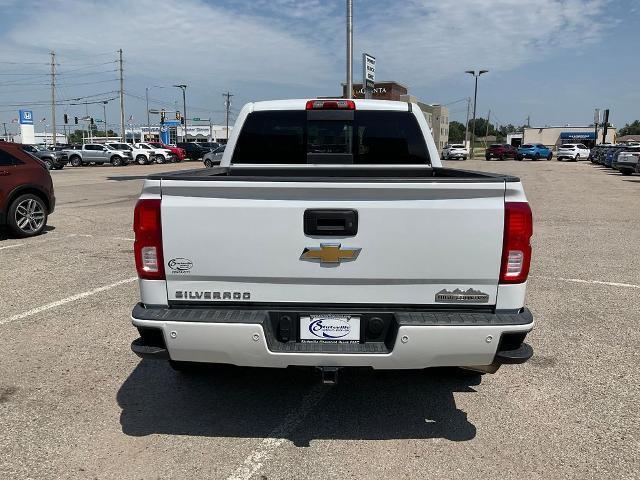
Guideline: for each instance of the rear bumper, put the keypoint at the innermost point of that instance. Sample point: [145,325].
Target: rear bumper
[253,338]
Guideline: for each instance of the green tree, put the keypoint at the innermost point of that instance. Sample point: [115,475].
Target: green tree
[456,132]
[481,127]
[78,135]
[632,128]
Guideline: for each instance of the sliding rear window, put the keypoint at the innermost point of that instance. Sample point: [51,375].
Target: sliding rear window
[360,137]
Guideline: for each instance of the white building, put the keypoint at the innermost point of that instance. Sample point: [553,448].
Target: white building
[42,138]
[195,133]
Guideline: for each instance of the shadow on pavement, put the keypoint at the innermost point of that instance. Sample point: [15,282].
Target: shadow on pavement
[253,403]
[5,234]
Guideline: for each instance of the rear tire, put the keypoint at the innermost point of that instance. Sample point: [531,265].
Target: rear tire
[577,159]
[549,157]
[27,216]
[208,163]
[141,160]
[626,172]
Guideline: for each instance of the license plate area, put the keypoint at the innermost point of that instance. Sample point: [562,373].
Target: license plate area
[330,328]
[377,331]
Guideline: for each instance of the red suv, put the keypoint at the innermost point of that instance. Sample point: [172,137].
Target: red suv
[26,191]
[179,152]
[500,151]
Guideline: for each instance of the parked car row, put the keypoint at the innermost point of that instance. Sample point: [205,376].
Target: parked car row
[623,157]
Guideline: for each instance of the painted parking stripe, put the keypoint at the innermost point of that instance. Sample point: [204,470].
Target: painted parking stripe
[49,240]
[64,301]
[594,282]
[12,246]
[263,452]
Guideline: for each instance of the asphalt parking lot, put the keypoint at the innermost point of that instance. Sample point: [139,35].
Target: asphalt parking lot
[76,403]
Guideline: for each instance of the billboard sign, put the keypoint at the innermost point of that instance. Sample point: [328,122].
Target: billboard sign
[26,117]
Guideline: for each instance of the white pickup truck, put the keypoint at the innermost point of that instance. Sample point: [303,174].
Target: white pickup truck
[331,236]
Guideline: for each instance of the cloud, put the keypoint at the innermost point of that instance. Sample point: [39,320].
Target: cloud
[279,48]
[431,41]
[163,38]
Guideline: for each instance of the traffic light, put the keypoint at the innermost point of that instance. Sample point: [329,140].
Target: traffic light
[66,119]
[75,119]
[91,120]
[182,121]
[178,116]
[162,115]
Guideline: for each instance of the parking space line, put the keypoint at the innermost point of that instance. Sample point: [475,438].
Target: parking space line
[12,246]
[256,459]
[66,237]
[594,282]
[64,301]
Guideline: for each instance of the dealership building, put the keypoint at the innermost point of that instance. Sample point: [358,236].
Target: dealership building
[555,136]
[437,116]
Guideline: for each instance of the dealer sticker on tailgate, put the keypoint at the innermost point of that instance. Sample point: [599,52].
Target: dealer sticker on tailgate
[330,328]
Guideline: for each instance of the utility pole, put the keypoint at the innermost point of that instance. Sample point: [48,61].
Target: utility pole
[596,121]
[6,137]
[122,132]
[104,111]
[146,90]
[475,102]
[349,49]
[210,130]
[227,104]
[53,96]
[466,125]
[487,129]
[529,121]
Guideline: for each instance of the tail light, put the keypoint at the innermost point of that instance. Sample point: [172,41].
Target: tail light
[148,245]
[516,246]
[331,105]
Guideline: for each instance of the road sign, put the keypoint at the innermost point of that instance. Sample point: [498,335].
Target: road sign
[196,119]
[368,70]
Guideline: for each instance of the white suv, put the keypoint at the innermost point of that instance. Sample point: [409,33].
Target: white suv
[458,151]
[573,151]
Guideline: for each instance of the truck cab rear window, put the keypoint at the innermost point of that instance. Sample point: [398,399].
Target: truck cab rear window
[371,137]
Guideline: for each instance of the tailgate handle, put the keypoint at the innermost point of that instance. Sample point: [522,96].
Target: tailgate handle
[331,223]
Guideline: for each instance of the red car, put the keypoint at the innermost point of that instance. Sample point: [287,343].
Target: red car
[26,191]
[500,151]
[179,152]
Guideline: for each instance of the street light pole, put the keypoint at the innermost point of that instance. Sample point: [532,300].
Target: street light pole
[475,99]
[184,108]
[349,49]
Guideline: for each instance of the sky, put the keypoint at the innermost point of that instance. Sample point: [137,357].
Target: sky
[551,60]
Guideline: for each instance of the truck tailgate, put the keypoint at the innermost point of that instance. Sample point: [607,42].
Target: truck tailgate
[419,243]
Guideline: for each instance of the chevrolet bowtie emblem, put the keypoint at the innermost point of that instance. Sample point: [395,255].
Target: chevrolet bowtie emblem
[330,253]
